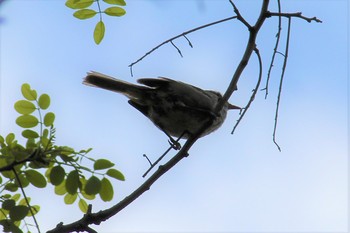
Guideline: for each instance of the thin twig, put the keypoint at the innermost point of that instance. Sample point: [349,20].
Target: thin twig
[178,50]
[278,36]
[180,35]
[26,199]
[252,97]
[281,84]
[253,32]
[295,15]
[239,16]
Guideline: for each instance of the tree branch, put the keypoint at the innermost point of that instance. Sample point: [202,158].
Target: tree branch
[253,32]
[252,97]
[278,36]
[281,83]
[295,15]
[180,35]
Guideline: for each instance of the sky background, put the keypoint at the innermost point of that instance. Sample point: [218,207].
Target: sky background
[229,183]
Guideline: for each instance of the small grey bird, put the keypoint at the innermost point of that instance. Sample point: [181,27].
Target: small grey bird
[177,108]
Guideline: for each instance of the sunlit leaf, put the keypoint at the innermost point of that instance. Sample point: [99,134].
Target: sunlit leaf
[99,32]
[84,14]
[116,2]
[28,93]
[29,134]
[49,118]
[70,199]
[102,164]
[83,206]
[24,107]
[35,178]
[115,174]
[61,188]
[44,101]
[93,185]
[27,121]
[35,209]
[10,138]
[106,192]
[74,4]
[115,11]
[16,197]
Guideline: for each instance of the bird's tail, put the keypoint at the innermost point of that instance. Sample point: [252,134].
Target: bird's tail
[103,81]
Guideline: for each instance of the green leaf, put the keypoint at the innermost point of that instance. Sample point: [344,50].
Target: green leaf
[35,178]
[115,174]
[99,32]
[72,182]
[23,201]
[24,107]
[19,212]
[116,2]
[10,138]
[35,210]
[44,101]
[83,206]
[23,180]
[49,118]
[106,192]
[28,93]
[16,197]
[88,197]
[57,175]
[61,189]
[11,187]
[84,14]
[8,204]
[29,134]
[93,185]
[101,164]
[70,199]
[115,11]
[80,4]
[9,226]
[27,121]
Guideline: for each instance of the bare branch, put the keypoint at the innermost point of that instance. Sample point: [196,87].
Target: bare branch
[239,16]
[295,15]
[281,83]
[180,35]
[255,90]
[253,32]
[278,36]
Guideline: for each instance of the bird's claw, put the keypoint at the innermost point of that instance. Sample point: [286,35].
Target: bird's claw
[174,144]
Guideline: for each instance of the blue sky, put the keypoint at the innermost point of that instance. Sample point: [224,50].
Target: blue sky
[229,183]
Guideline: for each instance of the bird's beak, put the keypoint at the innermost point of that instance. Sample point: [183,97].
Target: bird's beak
[231,106]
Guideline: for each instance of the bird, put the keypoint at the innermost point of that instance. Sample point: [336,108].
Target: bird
[177,108]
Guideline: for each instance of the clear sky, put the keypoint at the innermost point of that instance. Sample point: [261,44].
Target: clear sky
[229,183]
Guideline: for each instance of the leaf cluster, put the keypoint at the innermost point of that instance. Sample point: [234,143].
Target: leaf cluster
[40,162]
[83,11]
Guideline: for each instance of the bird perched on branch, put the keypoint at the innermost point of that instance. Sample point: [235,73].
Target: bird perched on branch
[177,108]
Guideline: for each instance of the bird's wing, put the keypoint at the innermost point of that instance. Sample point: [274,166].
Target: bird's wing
[184,95]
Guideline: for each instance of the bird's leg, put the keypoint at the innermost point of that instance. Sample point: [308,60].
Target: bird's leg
[175,143]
